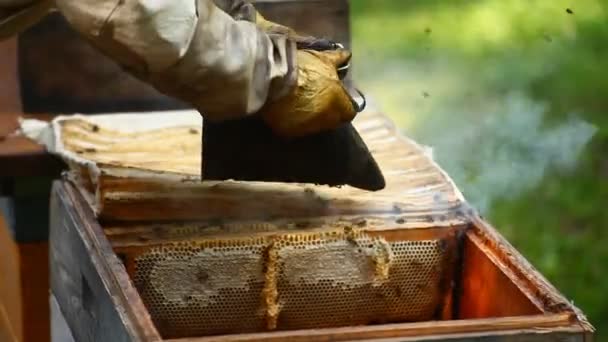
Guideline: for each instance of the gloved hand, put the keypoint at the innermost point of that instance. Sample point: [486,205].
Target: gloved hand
[224,66]
[318,102]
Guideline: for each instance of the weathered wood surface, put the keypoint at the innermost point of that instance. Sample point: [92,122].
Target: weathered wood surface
[11,320]
[24,167]
[530,281]
[501,329]
[524,335]
[60,332]
[482,278]
[132,235]
[143,177]
[6,327]
[24,287]
[88,280]
[82,251]
[20,156]
[9,84]
[34,274]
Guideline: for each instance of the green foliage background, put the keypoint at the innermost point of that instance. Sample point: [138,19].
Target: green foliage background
[438,67]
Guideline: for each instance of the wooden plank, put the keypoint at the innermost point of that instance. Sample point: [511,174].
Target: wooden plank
[60,332]
[20,156]
[10,289]
[417,331]
[539,335]
[7,333]
[138,180]
[9,89]
[531,282]
[401,330]
[9,120]
[35,291]
[24,286]
[487,289]
[88,280]
[530,328]
[144,235]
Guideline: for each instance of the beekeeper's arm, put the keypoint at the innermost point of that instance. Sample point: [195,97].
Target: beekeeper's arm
[225,67]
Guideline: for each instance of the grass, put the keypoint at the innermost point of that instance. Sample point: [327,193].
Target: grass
[513,96]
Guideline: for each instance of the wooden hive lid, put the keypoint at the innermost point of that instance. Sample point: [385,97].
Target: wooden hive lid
[145,167]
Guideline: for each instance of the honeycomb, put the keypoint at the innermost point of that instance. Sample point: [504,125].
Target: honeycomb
[290,281]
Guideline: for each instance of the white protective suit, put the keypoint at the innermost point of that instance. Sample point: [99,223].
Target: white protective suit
[209,53]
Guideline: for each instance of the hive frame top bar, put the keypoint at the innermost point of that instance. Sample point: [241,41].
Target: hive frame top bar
[559,320]
[126,174]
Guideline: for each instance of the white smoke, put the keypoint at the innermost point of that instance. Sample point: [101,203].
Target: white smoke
[507,150]
[494,144]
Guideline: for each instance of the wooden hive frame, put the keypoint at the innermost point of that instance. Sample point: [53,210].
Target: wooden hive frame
[495,294]
[499,295]
[419,202]
[126,186]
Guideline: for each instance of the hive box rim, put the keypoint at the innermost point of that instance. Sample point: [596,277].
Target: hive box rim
[561,315]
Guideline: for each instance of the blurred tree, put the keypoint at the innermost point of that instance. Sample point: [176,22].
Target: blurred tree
[513,96]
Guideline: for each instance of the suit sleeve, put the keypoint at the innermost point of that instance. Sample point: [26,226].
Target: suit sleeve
[208,53]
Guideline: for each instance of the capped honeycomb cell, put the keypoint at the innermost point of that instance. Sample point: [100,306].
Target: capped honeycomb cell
[288,281]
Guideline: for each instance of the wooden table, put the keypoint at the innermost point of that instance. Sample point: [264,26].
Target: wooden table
[26,173]
[20,156]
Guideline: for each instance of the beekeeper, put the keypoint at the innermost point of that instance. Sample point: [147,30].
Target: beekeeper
[221,56]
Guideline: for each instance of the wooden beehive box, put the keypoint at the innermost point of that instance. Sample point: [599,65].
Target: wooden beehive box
[447,275]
